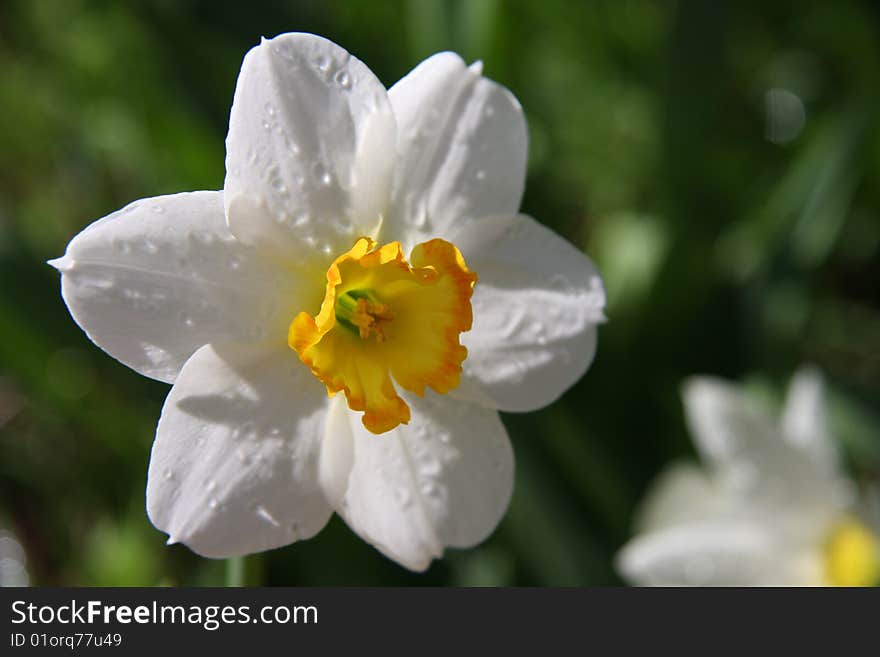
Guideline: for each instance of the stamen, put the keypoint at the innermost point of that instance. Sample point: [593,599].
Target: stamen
[361,312]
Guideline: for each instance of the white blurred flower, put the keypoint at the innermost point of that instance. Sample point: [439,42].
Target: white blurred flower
[771,506]
[293,283]
[13,570]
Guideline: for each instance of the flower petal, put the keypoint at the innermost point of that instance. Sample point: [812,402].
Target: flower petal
[536,306]
[717,554]
[235,465]
[310,148]
[804,422]
[746,449]
[682,494]
[156,280]
[443,480]
[463,146]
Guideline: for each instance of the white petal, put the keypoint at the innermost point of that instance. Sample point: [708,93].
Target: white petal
[681,494]
[536,306]
[463,146]
[234,468]
[310,148]
[804,423]
[716,554]
[746,449]
[445,479]
[337,452]
[161,277]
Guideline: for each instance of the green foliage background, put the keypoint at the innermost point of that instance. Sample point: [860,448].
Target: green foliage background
[723,252]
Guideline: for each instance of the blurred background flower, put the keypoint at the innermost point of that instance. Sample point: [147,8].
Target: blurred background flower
[715,159]
[770,506]
[13,570]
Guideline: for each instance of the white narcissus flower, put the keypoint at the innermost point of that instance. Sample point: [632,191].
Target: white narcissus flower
[771,507]
[341,257]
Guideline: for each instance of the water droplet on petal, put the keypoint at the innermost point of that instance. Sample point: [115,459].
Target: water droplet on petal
[264,514]
[322,175]
[343,80]
[403,497]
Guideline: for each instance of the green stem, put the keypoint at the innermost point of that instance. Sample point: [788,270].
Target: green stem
[235,572]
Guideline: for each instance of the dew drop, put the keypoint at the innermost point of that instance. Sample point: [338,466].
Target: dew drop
[403,497]
[481,175]
[211,485]
[322,64]
[203,237]
[169,474]
[235,263]
[343,224]
[537,330]
[270,109]
[343,80]
[121,246]
[213,503]
[158,209]
[264,514]
[321,174]
[150,247]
